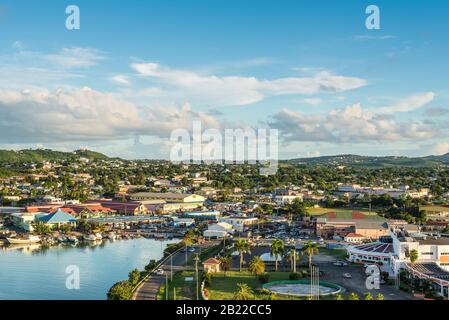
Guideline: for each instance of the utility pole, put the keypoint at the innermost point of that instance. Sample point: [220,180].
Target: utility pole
[171,267]
[186,254]
[196,272]
[166,285]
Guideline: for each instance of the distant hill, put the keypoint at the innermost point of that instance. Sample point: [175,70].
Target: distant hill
[375,162]
[40,155]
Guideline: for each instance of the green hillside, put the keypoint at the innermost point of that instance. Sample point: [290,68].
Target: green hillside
[40,155]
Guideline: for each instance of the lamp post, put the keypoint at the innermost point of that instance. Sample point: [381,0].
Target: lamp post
[166,285]
[196,272]
[171,267]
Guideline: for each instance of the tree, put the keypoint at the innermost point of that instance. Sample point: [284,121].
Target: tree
[242,247]
[310,249]
[40,228]
[339,297]
[244,292]
[134,277]
[225,263]
[380,296]
[353,296]
[277,250]
[413,256]
[121,291]
[369,296]
[292,257]
[256,266]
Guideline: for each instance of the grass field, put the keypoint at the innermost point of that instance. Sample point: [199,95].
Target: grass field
[185,290]
[343,213]
[223,288]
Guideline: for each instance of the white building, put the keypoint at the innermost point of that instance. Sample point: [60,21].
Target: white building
[218,230]
[282,200]
[239,223]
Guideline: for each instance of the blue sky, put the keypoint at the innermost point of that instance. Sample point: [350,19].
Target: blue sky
[138,70]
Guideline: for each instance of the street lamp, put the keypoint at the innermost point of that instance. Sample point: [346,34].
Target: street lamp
[171,266]
[196,271]
[166,285]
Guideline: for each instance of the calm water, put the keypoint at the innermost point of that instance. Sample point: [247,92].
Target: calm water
[40,274]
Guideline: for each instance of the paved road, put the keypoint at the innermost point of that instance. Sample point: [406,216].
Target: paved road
[148,290]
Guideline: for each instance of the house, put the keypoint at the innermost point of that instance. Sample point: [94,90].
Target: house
[354,238]
[239,223]
[23,221]
[282,200]
[57,219]
[88,210]
[211,265]
[218,230]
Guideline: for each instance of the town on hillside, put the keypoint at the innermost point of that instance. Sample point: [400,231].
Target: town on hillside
[338,224]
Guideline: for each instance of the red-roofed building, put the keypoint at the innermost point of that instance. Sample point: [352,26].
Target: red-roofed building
[354,238]
[211,265]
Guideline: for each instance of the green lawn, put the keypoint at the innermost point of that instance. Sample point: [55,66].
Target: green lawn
[223,288]
[342,213]
[185,290]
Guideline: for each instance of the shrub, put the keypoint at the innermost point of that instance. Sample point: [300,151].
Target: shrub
[121,291]
[207,277]
[294,276]
[264,278]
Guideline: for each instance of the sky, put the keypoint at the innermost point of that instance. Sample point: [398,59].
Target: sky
[136,71]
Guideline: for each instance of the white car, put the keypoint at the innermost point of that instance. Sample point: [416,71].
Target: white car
[160,272]
[347,275]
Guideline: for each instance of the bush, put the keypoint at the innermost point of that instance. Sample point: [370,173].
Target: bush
[122,290]
[264,278]
[294,276]
[207,277]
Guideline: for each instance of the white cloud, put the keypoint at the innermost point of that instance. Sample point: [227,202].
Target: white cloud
[17,45]
[370,37]
[75,57]
[313,101]
[120,79]
[41,116]
[409,104]
[237,90]
[440,148]
[351,124]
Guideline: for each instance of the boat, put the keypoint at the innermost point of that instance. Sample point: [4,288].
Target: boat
[25,240]
[98,236]
[90,237]
[72,239]
[112,236]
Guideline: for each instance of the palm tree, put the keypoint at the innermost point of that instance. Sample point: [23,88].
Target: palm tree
[225,263]
[257,266]
[244,292]
[292,256]
[310,249]
[242,247]
[413,256]
[277,250]
[353,296]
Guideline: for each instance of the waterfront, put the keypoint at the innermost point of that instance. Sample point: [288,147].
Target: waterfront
[40,274]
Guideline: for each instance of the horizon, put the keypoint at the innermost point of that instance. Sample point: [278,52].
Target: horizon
[131,75]
[286,159]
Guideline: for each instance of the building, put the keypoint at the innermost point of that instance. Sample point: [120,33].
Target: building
[239,223]
[432,253]
[211,265]
[23,220]
[57,219]
[174,201]
[354,238]
[369,228]
[203,215]
[218,230]
[282,200]
[437,213]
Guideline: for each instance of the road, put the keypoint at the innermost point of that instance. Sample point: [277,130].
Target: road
[148,289]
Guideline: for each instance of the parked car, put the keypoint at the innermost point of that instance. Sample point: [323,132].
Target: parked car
[347,275]
[160,272]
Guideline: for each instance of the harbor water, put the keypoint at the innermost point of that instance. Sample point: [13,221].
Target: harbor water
[38,273]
